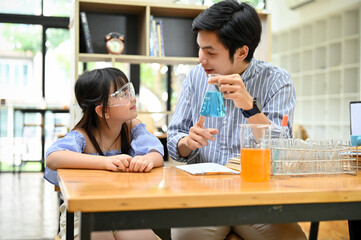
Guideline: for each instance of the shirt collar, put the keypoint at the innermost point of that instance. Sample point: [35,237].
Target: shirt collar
[250,70]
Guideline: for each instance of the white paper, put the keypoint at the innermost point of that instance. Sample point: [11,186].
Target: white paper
[206,168]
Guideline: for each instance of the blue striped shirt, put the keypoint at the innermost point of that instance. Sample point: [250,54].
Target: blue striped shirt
[274,88]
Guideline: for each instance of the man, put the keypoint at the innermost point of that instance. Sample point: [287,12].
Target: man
[254,92]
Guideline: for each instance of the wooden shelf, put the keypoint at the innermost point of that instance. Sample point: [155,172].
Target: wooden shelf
[323,57]
[136,59]
[136,16]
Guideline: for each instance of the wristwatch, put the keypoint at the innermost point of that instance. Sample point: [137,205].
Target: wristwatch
[257,108]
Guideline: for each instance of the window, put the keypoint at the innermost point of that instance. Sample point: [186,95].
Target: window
[56,8]
[34,68]
[32,7]
[20,60]
[153,95]
[58,88]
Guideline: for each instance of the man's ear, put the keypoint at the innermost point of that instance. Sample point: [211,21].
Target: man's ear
[99,111]
[242,52]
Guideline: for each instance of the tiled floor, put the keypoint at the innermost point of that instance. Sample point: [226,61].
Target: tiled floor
[29,210]
[28,207]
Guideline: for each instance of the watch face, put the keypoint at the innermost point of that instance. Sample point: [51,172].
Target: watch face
[257,108]
[258,105]
[115,46]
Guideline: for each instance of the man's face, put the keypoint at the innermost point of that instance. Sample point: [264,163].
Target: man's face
[214,57]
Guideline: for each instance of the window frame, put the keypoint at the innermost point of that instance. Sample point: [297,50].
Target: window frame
[46,22]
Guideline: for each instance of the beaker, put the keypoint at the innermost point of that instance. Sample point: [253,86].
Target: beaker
[213,105]
[255,152]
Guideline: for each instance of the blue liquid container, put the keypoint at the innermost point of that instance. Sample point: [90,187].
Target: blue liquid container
[213,105]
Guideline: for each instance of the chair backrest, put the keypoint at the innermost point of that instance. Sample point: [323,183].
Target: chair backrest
[148,121]
[299,131]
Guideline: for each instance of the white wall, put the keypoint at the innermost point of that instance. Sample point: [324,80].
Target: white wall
[319,44]
[283,17]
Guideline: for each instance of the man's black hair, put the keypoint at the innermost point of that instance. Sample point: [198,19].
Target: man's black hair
[236,24]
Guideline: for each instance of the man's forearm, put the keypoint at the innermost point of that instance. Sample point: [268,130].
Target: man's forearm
[258,119]
[183,149]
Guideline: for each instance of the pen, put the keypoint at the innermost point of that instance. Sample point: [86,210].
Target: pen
[215,173]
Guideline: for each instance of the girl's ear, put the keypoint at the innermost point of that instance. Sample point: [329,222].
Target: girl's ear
[242,52]
[99,111]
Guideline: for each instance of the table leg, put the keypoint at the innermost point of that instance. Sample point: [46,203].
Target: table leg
[354,228]
[314,230]
[42,141]
[85,225]
[163,234]
[69,225]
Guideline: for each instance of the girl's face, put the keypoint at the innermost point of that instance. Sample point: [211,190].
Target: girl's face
[122,103]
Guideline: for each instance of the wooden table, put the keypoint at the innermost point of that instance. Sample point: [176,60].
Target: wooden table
[167,197]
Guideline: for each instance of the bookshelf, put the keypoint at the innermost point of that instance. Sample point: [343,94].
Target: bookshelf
[323,57]
[132,19]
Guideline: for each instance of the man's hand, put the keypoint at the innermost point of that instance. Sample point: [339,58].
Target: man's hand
[197,138]
[232,87]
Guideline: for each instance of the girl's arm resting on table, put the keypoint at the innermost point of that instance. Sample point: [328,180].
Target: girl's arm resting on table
[146,162]
[69,159]
[156,158]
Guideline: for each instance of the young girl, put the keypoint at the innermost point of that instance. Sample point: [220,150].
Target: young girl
[108,136]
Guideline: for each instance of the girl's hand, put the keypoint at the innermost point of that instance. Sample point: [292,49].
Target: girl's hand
[140,164]
[118,162]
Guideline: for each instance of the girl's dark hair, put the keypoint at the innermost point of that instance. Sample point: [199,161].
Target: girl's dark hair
[92,89]
[236,24]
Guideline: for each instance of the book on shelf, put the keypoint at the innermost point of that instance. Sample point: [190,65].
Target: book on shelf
[86,32]
[161,38]
[151,33]
[156,41]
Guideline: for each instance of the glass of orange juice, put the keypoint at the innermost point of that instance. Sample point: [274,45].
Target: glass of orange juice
[255,152]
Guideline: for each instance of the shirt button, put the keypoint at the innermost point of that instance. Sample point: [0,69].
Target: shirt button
[224,122]
[223,147]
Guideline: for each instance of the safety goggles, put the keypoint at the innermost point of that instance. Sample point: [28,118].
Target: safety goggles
[122,96]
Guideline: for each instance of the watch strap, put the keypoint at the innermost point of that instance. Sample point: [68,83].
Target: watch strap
[253,111]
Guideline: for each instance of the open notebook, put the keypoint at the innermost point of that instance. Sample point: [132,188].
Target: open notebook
[206,169]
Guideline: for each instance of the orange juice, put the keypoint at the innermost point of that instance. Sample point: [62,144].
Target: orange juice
[255,164]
